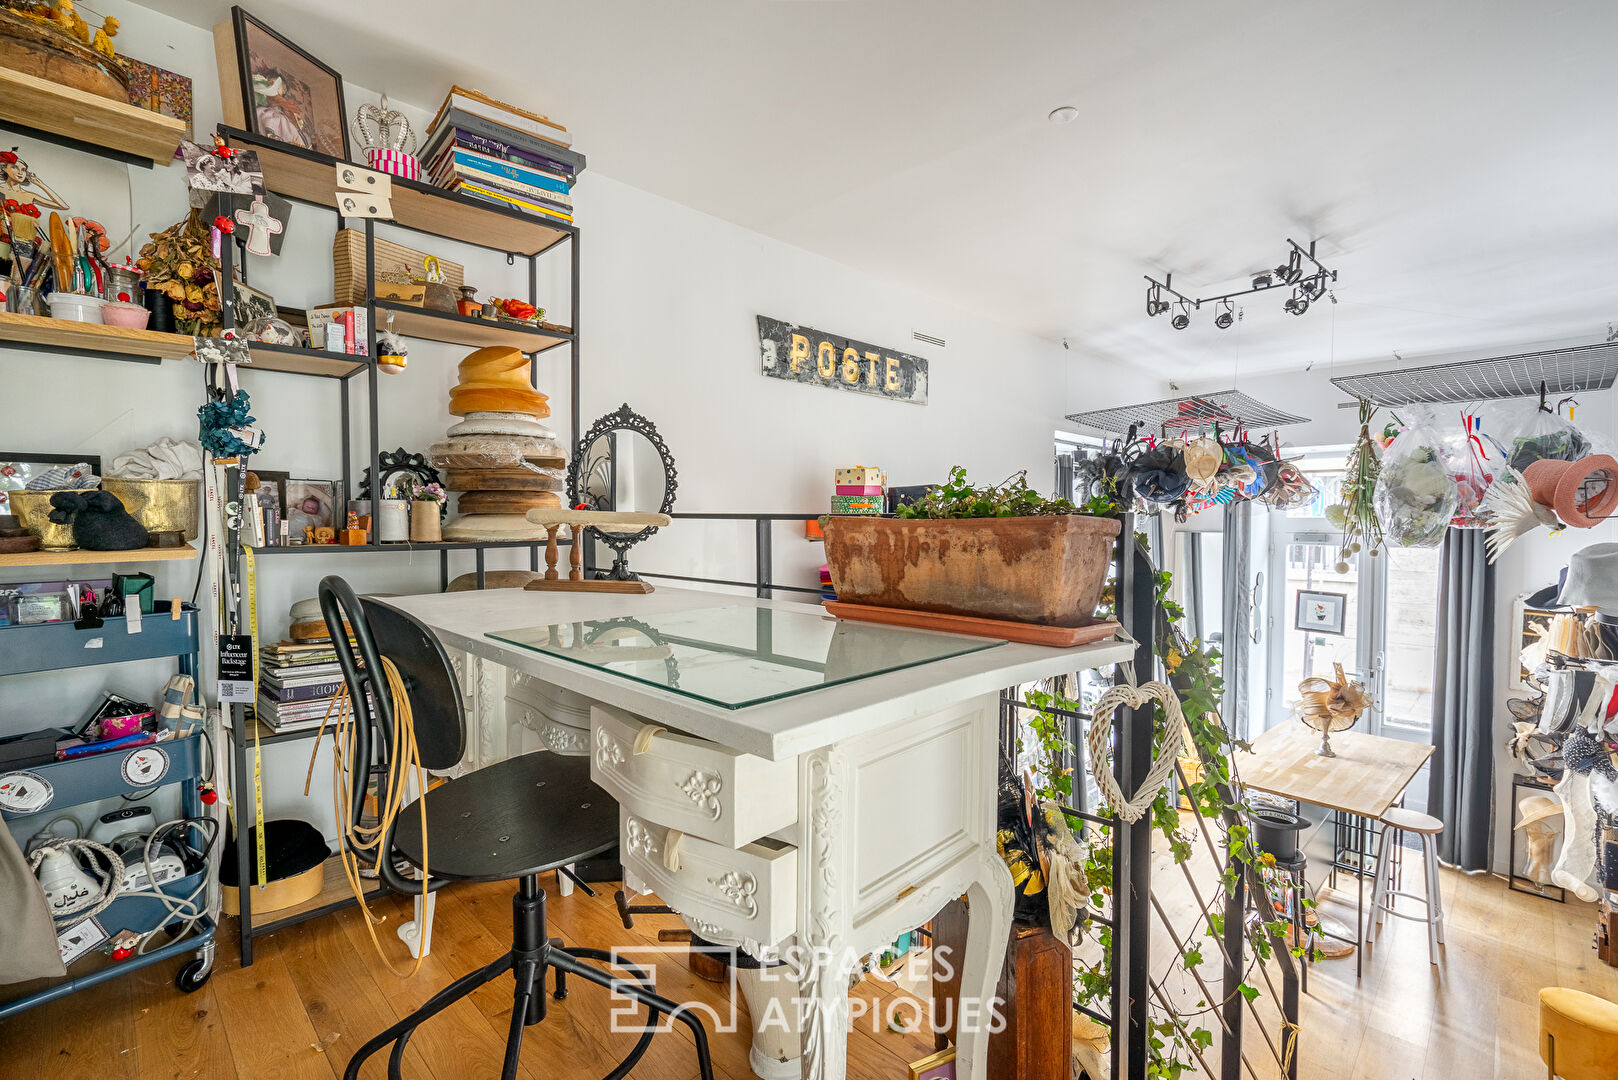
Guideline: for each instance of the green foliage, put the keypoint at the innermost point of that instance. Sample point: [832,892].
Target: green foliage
[1194,671]
[957,498]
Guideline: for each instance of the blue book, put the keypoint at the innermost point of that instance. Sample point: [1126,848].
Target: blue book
[466,162]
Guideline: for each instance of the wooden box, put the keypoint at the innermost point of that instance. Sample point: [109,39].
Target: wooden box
[348,265]
[1036,991]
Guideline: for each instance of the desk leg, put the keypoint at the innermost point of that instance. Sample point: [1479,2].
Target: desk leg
[1359,903]
[823,986]
[987,929]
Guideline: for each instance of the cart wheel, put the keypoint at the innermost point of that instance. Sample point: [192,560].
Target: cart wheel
[194,975]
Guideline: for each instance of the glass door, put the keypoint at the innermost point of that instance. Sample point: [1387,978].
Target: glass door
[1315,616]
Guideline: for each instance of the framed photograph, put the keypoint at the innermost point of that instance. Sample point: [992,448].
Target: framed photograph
[309,504]
[1321,612]
[252,305]
[285,93]
[272,488]
[239,174]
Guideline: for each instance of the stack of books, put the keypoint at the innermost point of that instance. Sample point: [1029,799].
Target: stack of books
[827,592]
[297,681]
[497,153]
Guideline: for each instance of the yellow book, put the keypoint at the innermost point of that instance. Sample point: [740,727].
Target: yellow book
[524,204]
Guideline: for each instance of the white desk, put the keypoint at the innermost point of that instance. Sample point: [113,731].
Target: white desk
[803,820]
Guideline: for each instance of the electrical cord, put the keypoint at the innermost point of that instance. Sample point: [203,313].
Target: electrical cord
[390,799]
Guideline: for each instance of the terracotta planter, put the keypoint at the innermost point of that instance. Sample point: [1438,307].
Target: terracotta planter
[1046,570]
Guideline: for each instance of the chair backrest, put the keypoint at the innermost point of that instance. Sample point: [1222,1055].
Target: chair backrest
[380,630]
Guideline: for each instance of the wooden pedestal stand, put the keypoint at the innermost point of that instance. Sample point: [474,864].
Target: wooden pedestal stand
[1036,990]
[552,521]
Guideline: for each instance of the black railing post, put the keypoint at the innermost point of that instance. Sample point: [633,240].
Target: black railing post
[1230,1047]
[1135,591]
[763,557]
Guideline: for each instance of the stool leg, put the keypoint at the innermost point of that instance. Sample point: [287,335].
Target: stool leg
[1435,892]
[1379,892]
[1428,864]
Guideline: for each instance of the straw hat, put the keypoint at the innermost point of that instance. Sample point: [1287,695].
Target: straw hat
[1537,808]
[1556,484]
[1203,457]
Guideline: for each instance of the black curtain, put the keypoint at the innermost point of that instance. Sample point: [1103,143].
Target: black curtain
[1461,783]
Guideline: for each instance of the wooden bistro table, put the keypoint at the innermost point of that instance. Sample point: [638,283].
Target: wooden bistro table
[1366,778]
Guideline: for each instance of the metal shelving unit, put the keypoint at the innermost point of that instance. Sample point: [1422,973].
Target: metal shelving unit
[1188,412]
[307,177]
[1552,372]
[59,646]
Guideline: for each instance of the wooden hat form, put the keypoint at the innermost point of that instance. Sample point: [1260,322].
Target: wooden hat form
[496,379]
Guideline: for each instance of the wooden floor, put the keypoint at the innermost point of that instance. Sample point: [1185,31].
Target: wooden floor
[318,990]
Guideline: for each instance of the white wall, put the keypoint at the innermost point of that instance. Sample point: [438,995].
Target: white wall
[669,297]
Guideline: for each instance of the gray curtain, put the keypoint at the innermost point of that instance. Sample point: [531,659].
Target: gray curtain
[1237,607]
[1461,782]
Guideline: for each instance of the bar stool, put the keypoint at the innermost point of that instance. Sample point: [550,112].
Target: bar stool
[1395,821]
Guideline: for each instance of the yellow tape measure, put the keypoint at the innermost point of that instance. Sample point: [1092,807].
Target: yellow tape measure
[258,754]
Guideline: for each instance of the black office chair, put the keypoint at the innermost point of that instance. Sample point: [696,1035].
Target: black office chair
[510,821]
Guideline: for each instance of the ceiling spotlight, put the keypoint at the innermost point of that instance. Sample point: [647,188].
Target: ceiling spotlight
[1155,304]
[1313,288]
[1182,318]
[1297,304]
[1063,114]
[1291,270]
[1263,281]
[1226,316]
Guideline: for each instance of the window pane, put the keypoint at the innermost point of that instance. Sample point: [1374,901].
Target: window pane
[1311,567]
[1412,640]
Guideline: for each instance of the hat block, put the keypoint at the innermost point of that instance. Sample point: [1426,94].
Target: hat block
[1556,484]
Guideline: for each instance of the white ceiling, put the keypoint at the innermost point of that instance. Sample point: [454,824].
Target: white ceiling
[1454,158]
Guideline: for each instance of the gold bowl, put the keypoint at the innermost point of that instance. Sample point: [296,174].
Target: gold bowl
[160,505]
[33,510]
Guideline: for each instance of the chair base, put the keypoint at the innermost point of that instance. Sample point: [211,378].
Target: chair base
[531,956]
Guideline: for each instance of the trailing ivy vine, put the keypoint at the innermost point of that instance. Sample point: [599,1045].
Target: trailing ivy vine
[1194,671]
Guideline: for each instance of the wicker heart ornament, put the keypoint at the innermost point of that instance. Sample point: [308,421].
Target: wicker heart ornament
[1174,742]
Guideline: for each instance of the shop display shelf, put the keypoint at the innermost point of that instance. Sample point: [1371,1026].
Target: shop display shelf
[55,645]
[456,329]
[311,177]
[101,776]
[442,545]
[42,333]
[88,122]
[335,894]
[78,557]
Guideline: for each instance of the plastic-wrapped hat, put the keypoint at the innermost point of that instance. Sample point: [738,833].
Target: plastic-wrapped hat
[1537,808]
[1203,457]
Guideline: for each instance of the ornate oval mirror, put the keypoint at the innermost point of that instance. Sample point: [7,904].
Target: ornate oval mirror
[622,464]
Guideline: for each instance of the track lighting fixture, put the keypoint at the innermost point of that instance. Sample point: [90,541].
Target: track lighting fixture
[1303,273]
[1155,304]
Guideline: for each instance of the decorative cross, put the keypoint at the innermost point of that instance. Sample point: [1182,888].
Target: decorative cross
[260,225]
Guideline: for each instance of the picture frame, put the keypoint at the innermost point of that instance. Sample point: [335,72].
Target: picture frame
[281,92]
[310,504]
[274,484]
[251,305]
[1321,612]
[939,1066]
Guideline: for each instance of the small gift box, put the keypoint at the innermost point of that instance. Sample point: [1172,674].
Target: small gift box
[856,504]
[859,489]
[861,476]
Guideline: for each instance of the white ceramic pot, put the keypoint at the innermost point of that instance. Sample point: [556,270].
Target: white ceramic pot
[75,307]
[392,521]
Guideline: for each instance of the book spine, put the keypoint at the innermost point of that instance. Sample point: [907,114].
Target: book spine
[508,170]
[482,144]
[462,122]
[287,694]
[541,195]
[500,199]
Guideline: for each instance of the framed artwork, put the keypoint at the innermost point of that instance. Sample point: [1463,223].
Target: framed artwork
[309,504]
[252,305]
[158,90]
[285,93]
[939,1066]
[1321,612]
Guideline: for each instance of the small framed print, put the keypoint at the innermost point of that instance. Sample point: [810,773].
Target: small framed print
[1321,612]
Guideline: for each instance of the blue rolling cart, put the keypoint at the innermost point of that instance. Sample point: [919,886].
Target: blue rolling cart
[60,645]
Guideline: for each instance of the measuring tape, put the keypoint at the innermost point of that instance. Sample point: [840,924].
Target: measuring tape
[258,753]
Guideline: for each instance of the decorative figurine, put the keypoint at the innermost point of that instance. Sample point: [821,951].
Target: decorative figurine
[388,140]
[23,207]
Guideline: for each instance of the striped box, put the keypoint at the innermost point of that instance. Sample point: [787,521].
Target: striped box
[394,162]
[857,504]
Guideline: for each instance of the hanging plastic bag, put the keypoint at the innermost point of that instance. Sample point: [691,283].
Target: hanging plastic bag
[1415,495]
[1547,434]
[1474,461]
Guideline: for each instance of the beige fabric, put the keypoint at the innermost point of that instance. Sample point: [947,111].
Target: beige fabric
[27,935]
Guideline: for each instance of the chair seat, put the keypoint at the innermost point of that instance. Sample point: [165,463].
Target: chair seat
[1411,821]
[1585,1030]
[518,817]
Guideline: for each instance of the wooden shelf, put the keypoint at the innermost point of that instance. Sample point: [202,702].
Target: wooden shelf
[296,360]
[92,558]
[335,892]
[42,331]
[419,323]
[87,118]
[309,177]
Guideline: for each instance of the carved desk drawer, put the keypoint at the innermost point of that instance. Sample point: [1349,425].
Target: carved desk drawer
[683,783]
[749,892]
